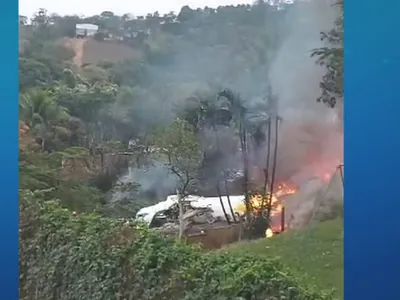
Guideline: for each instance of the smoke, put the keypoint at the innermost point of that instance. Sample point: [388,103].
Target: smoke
[154,181]
[294,76]
[317,200]
[310,142]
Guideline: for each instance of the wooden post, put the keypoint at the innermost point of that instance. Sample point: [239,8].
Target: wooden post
[181,212]
[341,173]
[283,219]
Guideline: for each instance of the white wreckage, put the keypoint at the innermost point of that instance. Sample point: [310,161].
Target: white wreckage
[211,205]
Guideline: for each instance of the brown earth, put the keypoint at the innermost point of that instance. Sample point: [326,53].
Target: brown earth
[25,141]
[215,236]
[207,236]
[78,168]
[90,51]
[77,45]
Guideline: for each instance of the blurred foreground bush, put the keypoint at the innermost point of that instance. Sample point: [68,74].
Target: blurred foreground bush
[69,256]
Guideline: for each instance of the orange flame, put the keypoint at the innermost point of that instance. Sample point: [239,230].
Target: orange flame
[258,203]
[326,177]
[269,233]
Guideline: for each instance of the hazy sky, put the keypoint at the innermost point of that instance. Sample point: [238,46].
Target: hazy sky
[92,7]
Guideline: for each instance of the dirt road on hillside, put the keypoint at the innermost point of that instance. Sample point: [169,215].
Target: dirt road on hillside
[76,45]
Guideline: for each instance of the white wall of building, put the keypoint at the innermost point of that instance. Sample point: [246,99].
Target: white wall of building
[86,29]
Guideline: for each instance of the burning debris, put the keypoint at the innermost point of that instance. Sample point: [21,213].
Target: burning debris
[207,210]
[269,233]
[262,204]
[205,213]
[320,198]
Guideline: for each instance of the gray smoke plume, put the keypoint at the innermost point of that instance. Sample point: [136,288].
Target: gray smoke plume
[317,200]
[309,140]
[311,143]
[155,181]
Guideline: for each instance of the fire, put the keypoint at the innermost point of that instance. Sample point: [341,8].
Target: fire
[282,189]
[326,177]
[258,204]
[269,233]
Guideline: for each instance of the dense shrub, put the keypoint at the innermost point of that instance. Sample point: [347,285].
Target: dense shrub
[63,256]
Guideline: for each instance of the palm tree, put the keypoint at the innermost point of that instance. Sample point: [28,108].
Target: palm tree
[238,112]
[206,112]
[252,125]
[42,114]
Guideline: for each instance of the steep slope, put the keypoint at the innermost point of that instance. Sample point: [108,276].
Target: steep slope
[314,254]
[77,45]
[90,51]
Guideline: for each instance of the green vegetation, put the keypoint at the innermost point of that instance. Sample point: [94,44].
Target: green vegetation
[101,107]
[314,255]
[333,59]
[77,123]
[63,256]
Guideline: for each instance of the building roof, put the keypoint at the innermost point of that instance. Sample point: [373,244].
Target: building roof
[87,26]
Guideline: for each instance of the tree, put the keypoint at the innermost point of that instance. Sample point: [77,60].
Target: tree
[239,119]
[33,73]
[203,112]
[23,20]
[332,58]
[179,144]
[127,99]
[90,103]
[43,115]
[41,18]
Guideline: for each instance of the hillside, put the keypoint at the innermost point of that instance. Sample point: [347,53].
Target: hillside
[314,255]
[24,34]
[182,104]
[90,51]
